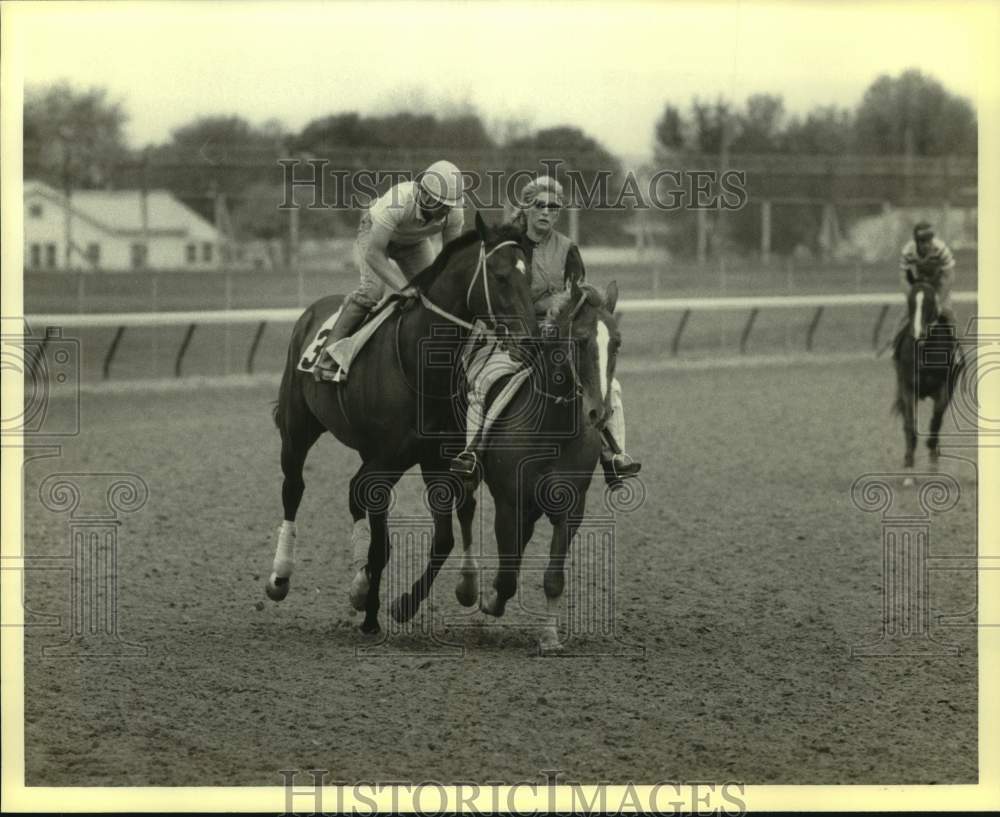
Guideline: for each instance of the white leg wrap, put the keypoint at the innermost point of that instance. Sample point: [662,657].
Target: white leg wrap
[284,554]
[469,563]
[359,589]
[361,536]
[550,632]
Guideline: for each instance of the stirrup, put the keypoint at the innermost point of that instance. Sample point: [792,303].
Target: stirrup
[465,464]
[615,471]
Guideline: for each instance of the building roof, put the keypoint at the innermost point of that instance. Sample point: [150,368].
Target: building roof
[120,211]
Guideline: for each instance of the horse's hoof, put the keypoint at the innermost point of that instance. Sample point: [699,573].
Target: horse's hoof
[490,607]
[277,587]
[467,591]
[403,609]
[359,590]
[548,641]
[370,629]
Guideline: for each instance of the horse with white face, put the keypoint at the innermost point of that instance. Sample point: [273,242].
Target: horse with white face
[563,412]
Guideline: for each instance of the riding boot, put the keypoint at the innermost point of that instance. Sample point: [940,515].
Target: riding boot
[618,468]
[352,314]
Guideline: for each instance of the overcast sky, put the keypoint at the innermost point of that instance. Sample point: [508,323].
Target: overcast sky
[606,67]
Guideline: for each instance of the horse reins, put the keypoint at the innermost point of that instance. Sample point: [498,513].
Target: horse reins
[577,389]
[480,270]
[444,313]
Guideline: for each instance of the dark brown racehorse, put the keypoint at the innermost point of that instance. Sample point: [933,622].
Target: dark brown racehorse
[928,363]
[542,453]
[394,409]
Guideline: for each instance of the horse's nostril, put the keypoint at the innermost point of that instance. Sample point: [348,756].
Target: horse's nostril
[593,415]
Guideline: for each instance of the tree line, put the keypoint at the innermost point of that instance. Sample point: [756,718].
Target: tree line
[76,138]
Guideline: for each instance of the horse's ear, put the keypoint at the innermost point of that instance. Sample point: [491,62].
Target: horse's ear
[481,227]
[574,289]
[611,296]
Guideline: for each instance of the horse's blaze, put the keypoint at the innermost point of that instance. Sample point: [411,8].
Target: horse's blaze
[918,316]
[603,340]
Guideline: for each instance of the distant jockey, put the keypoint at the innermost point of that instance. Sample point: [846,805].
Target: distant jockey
[554,263]
[394,243]
[926,258]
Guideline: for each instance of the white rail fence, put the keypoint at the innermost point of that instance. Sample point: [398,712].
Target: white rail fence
[686,306]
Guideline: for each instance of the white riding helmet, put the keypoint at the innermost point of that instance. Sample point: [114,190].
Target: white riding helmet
[443,182]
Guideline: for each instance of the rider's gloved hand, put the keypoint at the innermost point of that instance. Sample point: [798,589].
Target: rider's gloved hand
[407,297]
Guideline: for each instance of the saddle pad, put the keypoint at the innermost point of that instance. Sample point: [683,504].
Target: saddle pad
[316,354]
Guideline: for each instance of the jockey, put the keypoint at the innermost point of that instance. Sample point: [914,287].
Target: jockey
[393,242]
[554,263]
[928,258]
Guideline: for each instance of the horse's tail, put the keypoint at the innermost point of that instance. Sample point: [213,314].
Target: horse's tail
[279,411]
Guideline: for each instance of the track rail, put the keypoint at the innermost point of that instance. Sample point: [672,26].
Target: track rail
[262,317]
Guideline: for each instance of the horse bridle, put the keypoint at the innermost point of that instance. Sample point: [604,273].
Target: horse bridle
[576,390]
[480,270]
[444,313]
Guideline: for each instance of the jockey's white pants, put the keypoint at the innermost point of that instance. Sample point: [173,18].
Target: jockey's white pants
[616,420]
[410,258]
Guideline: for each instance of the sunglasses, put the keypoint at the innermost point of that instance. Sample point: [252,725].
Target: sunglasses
[551,205]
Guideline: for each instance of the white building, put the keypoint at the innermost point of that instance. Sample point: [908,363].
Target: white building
[105,231]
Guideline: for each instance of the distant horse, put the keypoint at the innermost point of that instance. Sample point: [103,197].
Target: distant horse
[393,408]
[928,362]
[542,453]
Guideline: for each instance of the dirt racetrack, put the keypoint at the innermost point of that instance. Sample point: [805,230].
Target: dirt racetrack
[731,598]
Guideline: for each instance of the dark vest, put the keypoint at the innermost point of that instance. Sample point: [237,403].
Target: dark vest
[548,266]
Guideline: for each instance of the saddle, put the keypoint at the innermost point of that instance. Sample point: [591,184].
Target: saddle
[317,356]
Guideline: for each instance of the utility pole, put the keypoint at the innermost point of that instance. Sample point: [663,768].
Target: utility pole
[144,204]
[66,136]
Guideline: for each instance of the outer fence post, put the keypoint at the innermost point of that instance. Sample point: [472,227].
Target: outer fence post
[183,350]
[746,329]
[676,342]
[878,325]
[106,368]
[812,327]
[253,346]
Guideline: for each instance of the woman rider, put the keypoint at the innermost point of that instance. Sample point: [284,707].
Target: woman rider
[554,263]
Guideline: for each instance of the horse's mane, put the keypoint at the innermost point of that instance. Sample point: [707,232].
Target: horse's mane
[425,278]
